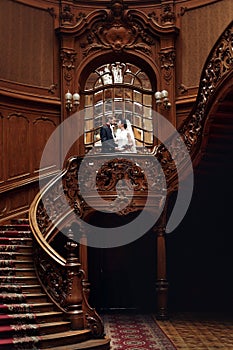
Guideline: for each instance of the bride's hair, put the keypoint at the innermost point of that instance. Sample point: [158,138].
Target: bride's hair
[124,122]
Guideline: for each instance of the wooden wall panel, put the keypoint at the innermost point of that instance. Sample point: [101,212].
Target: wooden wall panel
[22,143]
[17,201]
[18,146]
[26,44]
[1,148]
[200,29]
[24,132]
[42,129]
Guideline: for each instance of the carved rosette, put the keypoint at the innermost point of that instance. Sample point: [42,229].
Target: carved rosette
[68,59]
[218,66]
[167,60]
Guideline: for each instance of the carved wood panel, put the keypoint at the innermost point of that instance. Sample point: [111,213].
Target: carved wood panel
[1,148]
[27,42]
[17,138]
[42,128]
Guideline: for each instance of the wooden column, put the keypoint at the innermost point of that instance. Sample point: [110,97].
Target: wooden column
[74,297]
[161,283]
[84,263]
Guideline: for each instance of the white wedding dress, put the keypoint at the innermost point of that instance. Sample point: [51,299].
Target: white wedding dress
[125,139]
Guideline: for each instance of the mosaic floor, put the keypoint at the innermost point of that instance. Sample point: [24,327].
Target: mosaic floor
[199,331]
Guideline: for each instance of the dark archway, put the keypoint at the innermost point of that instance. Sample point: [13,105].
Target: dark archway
[123,277]
[200,250]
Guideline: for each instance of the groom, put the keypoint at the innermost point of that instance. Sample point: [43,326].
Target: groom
[106,135]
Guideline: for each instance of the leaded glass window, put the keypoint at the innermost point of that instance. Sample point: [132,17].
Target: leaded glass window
[122,90]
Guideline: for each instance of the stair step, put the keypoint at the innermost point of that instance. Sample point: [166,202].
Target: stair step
[6,271]
[13,227]
[19,256]
[64,338]
[16,241]
[35,329]
[35,307]
[20,221]
[15,233]
[22,297]
[35,297]
[17,263]
[92,344]
[22,280]
[41,317]
[15,248]
[18,288]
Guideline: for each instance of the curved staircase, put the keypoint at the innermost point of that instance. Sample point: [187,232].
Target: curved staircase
[28,319]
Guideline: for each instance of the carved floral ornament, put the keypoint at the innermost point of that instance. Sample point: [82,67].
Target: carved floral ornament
[218,66]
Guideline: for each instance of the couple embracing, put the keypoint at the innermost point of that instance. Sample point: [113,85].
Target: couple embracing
[117,136]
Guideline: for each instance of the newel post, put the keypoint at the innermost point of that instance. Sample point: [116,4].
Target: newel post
[161,283]
[74,297]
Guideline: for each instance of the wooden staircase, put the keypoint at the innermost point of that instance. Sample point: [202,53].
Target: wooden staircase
[28,319]
[217,159]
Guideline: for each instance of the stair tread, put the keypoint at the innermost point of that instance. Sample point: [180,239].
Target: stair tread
[40,325]
[36,314]
[18,269]
[15,253]
[19,261]
[29,304]
[88,344]
[31,294]
[17,238]
[18,285]
[20,277]
[66,334]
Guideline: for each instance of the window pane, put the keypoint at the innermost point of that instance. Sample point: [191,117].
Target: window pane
[118,94]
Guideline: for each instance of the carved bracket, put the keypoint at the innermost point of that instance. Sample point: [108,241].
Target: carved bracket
[68,58]
[167,59]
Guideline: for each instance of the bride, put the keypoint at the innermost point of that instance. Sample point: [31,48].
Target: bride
[125,137]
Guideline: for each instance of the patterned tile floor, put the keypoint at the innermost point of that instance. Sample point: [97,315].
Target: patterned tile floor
[199,331]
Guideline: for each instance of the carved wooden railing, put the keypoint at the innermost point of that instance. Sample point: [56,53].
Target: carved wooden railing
[62,279]
[57,205]
[217,69]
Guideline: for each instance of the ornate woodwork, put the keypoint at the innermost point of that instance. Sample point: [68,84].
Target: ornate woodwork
[216,69]
[31,109]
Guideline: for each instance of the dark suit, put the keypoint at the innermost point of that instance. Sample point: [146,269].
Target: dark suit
[108,144]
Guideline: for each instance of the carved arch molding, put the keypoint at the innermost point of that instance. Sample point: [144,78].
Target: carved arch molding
[117,30]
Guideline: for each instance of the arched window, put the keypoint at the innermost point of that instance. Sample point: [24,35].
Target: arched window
[121,90]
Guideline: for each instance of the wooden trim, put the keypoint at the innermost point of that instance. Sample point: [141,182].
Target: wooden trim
[26,182]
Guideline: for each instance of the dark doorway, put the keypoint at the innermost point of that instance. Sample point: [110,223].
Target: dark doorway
[125,276]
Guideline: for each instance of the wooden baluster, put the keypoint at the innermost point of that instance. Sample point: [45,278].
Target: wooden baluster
[74,284]
[161,283]
[84,263]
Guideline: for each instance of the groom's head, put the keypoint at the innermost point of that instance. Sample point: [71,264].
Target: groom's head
[111,120]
